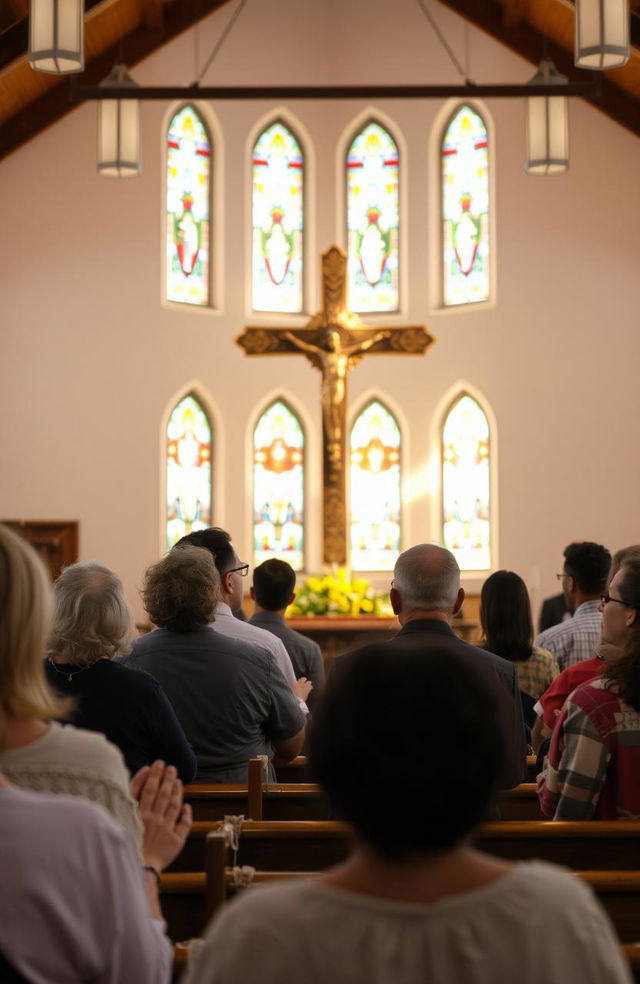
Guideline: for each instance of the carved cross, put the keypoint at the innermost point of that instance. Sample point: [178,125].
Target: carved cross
[334,341]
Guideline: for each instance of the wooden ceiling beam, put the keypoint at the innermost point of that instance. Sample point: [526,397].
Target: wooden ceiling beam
[528,42]
[52,105]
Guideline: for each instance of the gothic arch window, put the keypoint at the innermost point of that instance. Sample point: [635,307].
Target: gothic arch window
[466,485]
[373,220]
[375,489]
[188,443]
[464,155]
[278,486]
[188,165]
[278,221]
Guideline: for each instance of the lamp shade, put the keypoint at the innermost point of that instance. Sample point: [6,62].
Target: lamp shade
[547,125]
[119,130]
[56,36]
[602,33]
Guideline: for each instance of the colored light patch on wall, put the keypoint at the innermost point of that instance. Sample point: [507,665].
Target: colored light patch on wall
[188,451]
[278,221]
[373,221]
[465,209]
[375,514]
[188,196]
[466,487]
[278,486]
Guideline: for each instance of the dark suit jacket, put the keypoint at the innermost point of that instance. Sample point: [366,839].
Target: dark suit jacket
[553,611]
[435,635]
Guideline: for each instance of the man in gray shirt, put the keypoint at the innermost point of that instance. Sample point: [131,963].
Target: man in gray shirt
[229,695]
[272,591]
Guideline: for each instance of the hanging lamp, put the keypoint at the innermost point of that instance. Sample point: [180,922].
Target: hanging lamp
[56,36]
[119,129]
[547,125]
[602,34]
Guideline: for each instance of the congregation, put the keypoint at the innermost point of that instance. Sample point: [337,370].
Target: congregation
[100,732]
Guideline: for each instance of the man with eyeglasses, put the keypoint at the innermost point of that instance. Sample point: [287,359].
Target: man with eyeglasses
[232,573]
[583,580]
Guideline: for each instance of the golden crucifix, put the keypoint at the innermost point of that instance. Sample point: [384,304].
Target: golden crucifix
[334,341]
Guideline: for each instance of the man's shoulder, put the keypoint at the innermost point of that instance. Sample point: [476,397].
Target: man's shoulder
[555,634]
[260,637]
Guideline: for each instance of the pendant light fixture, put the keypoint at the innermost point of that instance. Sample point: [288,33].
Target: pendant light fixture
[119,129]
[602,34]
[547,125]
[56,36]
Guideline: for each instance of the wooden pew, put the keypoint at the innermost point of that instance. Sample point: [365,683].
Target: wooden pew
[520,803]
[305,801]
[189,900]
[298,770]
[313,845]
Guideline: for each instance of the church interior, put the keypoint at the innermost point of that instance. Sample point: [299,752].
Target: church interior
[95,357]
[355,282]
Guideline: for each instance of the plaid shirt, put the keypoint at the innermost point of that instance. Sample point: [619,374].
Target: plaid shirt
[576,639]
[594,759]
[537,673]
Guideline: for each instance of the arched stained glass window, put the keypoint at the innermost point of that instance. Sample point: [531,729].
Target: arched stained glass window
[188,197]
[465,209]
[188,444]
[373,220]
[466,487]
[278,221]
[278,486]
[375,489]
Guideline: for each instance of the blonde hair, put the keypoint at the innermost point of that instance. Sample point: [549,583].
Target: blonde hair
[91,618]
[25,611]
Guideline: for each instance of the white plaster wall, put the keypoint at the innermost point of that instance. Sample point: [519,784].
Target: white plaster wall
[90,359]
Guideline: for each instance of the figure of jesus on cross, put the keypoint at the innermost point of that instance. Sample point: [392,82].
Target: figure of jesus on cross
[334,341]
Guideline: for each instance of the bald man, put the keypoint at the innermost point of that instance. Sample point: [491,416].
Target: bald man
[425,596]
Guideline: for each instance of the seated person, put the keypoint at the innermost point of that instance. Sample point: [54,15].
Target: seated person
[414,901]
[229,695]
[37,752]
[76,905]
[273,587]
[594,757]
[91,625]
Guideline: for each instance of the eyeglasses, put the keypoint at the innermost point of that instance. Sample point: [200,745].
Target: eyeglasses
[605,599]
[242,571]
[560,576]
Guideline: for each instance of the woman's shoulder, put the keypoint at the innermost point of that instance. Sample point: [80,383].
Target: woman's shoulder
[79,748]
[542,655]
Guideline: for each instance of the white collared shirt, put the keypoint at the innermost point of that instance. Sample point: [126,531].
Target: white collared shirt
[227,624]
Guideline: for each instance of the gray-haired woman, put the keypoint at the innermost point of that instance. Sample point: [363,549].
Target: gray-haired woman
[91,625]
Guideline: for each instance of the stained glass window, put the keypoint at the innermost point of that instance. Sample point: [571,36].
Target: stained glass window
[188,196]
[278,219]
[375,489]
[373,221]
[278,486]
[466,498]
[465,209]
[188,470]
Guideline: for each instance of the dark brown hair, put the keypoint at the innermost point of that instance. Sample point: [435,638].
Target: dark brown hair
[505,616]
[182,590]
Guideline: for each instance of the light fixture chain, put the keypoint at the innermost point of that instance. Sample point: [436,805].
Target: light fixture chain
[221,41]
[443,41]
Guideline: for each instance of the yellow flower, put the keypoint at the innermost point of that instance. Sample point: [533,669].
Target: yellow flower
[366,605]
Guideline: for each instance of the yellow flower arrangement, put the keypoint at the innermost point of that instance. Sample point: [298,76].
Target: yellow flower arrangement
[335,594]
